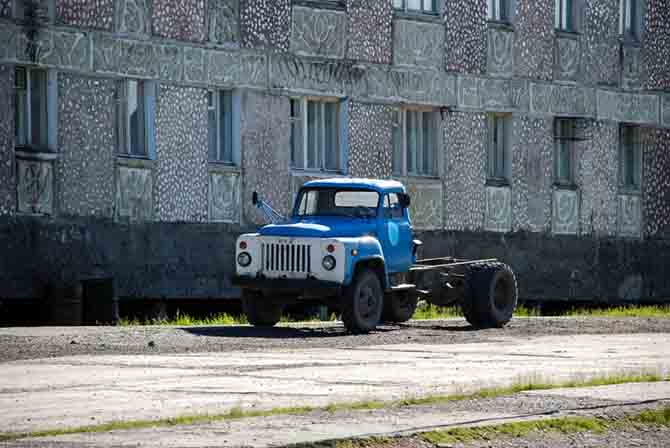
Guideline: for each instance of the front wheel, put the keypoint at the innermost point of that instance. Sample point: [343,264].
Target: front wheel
[490,295]
[362,303]
[260,313]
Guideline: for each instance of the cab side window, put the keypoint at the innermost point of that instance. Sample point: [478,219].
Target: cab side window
[392,208]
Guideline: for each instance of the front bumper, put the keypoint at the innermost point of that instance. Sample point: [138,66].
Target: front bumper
[310,286]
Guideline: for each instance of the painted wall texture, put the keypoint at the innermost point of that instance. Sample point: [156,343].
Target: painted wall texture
[86,141]
[656,48]
[7,171]
[81,204]
[179,19]
[370,151]
[465,43]
[534,42]
[181,154]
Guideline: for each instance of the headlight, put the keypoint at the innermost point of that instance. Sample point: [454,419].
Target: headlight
[328,263]
[244,259]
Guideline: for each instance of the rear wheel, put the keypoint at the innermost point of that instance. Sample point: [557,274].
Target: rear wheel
[399,306]
[490,295]
[362,303]
[260,313]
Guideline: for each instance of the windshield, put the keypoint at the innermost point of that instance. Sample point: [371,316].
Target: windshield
[333,202]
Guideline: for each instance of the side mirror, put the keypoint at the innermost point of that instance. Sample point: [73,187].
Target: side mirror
[254,197]
[404,200]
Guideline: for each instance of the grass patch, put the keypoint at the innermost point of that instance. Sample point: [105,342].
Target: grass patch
[186,320]
[239,413]
[565,425]
[651,311]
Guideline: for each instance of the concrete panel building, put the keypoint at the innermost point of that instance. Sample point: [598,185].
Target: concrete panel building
[133,132]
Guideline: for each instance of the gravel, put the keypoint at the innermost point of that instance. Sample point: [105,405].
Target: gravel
[43,342]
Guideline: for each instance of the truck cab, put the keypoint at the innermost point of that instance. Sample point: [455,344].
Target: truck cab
[346,244]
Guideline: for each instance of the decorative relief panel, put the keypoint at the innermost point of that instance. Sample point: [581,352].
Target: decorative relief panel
[134,193]
[565,212]
[5,8]
[500,52]
[132,16]
[630,69]
[35,186]
[224,197]
[139,58]
[568,58]
[417,86]
[223,21]
[426,204]
[628,107]
[630,216]
[317,32]
[63,49]
[493,94]
[498,209]
[548,99]
[418,43]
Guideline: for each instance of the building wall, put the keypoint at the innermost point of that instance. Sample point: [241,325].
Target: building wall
[7,171]
[86,141]
[165,225]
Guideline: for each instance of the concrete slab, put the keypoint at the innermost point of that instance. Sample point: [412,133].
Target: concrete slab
[84,390]
[634,392]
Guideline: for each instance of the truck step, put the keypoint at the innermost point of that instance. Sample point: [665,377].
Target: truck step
[403,287]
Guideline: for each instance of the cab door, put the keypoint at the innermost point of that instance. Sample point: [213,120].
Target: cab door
[397,234]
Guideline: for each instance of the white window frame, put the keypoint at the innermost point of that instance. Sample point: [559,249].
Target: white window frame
[427,7]
[214,104]
[123,126]
[624,150]
[50,105]
[499,154]
[303,138]
[400,123]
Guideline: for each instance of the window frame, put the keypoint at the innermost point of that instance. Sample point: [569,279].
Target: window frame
[49,110]
[231,123]
[565,21]
[562,142]
[404,8]
[498,161]
[630,11]
[636,148]
[400,122]
[123,116]
[302,119]
[499,11]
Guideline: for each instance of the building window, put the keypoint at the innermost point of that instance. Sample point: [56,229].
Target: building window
[315,134]
[498,152]
[564,15]
[415,142]
[498,10]
[31,114]
[565,138]
[628,19]
[135,117]
[630,158]
[420,6]
[220,126]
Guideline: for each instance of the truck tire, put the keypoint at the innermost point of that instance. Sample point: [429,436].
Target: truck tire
[363,303]
[490,295]
[400,306]
[260,313]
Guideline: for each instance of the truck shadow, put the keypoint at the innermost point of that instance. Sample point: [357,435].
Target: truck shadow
[305,332]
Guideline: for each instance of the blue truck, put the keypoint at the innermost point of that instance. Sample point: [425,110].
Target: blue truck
[349,245]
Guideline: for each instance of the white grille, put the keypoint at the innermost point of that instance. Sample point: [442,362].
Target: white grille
[286,257]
